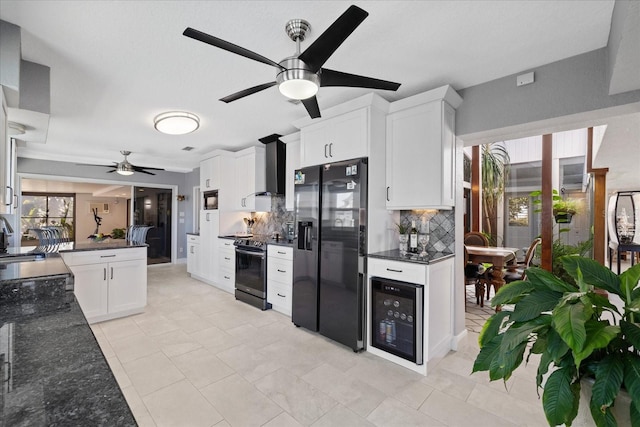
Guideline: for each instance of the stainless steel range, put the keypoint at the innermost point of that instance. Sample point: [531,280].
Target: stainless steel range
[251,271]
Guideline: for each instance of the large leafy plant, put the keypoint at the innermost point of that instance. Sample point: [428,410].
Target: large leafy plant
[576,331]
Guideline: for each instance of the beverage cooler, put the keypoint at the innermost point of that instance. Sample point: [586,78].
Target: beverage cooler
[397,318]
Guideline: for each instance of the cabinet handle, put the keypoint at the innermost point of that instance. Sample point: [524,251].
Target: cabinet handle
[325,150]
[280,295]
[395,271]
[227,277]
[207,183]
[104,273]
[107,256]
[330,149]
[282,253]
[281,271]
[111,273]
[207,216]
[191,249]
[388,195]
[10,197]
[227,258]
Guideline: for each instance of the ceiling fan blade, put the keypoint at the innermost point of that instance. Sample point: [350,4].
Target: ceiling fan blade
[247,92]
[147,168]
[143,171]
[324,46]
[102,166]
[311,104]
[230,47]
[338,78]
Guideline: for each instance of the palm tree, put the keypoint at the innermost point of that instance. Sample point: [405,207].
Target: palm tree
[495,169]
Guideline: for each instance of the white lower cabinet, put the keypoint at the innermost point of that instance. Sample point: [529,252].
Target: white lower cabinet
[226,265]
[193,254]
[437,279]
[280,278]
[109,283]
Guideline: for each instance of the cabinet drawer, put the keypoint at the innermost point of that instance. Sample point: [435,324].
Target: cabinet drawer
[397,270]
[283,252]
[228,260]
[226,244]
[279,296]
[193,239]
[100,256]
[280,270]
[227,277]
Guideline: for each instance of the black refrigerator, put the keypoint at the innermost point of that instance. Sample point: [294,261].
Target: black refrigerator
[329,250]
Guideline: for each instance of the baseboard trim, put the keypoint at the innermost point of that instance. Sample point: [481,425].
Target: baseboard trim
[455,341]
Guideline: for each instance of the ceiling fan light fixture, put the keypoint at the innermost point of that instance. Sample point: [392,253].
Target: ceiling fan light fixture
[298,83]
[124,168]
[176,122]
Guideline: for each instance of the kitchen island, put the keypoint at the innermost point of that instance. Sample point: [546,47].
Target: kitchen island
[53,370]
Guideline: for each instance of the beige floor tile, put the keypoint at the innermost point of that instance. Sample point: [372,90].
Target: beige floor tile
[508,407]
[458,386]
[414,394]
[103,342]
[223,423]
[175,343]
[393,413]
[134,347]
[382,374]
[341,416]
[283,420]
[302,401]
[251,364]
[179,405]
[156,325]
[455,412]
[358,396]
[120,328]
[201,367]
[151,373]
[295,358]
[215,339]
[240,403]
[138,408]
[118,371]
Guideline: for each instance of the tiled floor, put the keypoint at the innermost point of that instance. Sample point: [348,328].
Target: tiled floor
[197,357]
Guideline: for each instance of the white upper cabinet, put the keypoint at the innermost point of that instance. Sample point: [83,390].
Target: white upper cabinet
[420,151]
[293,162]
[210,174]
[338,138]
[251,178]
[7,164]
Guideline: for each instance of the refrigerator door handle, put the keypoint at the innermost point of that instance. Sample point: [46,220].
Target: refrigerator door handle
[307,237]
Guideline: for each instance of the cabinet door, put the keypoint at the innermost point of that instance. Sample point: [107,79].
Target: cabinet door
[6,189]
[208,260]
[293,163]
[127,285]
[245,182]
[91,288]
[414,158]
[339,138]
[193,253]
[210,174]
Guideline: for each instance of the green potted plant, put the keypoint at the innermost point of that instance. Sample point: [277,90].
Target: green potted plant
[578,334]
[563,209]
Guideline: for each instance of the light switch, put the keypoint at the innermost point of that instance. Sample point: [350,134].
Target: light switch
[524,79]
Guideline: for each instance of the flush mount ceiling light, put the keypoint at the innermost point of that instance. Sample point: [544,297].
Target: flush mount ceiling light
[16,129]
[176,122]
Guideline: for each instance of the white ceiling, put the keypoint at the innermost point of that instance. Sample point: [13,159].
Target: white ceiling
[117,64]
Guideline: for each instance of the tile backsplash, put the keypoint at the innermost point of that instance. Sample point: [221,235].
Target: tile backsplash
[441,225]
[272,222]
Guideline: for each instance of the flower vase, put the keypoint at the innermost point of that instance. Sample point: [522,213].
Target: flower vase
[404,238]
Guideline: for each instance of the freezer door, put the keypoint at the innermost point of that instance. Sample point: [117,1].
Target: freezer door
[304,310]
[342,252]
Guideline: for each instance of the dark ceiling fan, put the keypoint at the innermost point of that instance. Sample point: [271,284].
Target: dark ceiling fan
[299,76]
[126,168]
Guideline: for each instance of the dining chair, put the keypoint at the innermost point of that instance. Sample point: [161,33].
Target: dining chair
[475,238]
[520,272]
[472,276]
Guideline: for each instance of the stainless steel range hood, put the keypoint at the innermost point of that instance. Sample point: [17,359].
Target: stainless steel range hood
[276,163]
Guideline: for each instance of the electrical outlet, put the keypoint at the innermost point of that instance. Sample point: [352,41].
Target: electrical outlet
[524,79]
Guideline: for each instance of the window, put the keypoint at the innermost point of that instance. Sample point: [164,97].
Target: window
[42,209]
[519,211]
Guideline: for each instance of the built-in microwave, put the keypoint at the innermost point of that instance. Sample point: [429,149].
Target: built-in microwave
[210,200]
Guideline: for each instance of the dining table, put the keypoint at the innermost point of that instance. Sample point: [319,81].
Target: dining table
[499,257]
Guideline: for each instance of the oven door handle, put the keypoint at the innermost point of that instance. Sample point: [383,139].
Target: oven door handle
[251,253]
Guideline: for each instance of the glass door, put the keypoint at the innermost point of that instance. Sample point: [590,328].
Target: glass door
[152,207]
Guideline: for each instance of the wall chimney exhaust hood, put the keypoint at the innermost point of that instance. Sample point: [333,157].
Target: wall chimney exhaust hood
[276,163]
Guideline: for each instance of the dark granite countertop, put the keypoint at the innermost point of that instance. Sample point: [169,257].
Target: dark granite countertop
[24,270]
[58,374]
[395,255]
[90,245]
